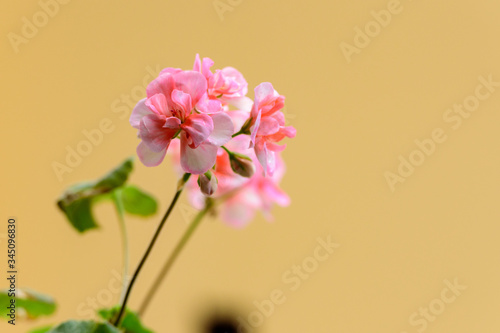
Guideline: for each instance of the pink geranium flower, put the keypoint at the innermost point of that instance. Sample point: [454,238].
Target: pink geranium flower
[268,126]
[259,193]
[240,197]
[226,84]
[177,106]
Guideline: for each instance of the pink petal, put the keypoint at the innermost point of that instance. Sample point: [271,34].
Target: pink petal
[198,160]
[183,101]
[263,90]
[274,194]
[172,123]
[288,131]
[197,63]
[163,84]
[203,68]
[242,103]
[268,126]
[148,157]
[217,82]
[158,103]
[237,214]
[236,77]
[254,129]
[192,83]
[240,144]
[241,208]
[266,158]
[197,129]
[267,100]
[280,117]
[153,134]
[140,111]
[275,147]
[272,104]
[170,70]
[223,129]
[207,105]
[239,118]
[279,170]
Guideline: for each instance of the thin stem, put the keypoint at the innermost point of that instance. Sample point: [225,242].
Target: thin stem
[117,196]
[227,150]
[175,254]
[238,133]
[242,131]
[180,187]
[245,129]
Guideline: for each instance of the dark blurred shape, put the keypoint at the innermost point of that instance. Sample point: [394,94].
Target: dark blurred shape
[221,324]
[221,316]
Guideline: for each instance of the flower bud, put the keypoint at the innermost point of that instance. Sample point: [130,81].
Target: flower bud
[208,183]
[242,165]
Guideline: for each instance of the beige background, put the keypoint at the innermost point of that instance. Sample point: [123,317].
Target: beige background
[353,121]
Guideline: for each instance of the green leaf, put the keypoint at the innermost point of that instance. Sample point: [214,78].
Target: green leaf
[43,329]
[74,326]
[34,304]
[76,202]
[138,202]
[117,177]
[130,322]
[79,214]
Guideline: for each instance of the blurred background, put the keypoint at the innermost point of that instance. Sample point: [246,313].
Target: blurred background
[417,227]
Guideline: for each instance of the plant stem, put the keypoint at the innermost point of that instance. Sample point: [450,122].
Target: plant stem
[236,134]
[175,254]
[227,150]
[117,196]
[245,129]
[180,187]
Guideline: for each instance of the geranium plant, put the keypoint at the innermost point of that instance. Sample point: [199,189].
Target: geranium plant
[226,149]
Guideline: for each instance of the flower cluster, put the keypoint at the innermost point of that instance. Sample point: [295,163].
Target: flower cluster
[228,140]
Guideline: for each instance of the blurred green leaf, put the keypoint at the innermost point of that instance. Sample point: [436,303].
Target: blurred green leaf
[130,322]
[76,202]
[74,326]
[43,329]
[138,202]
[115,178]
[32,303]
[79,214]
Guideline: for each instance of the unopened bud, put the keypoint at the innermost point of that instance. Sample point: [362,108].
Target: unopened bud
[208,183]
[242,165]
